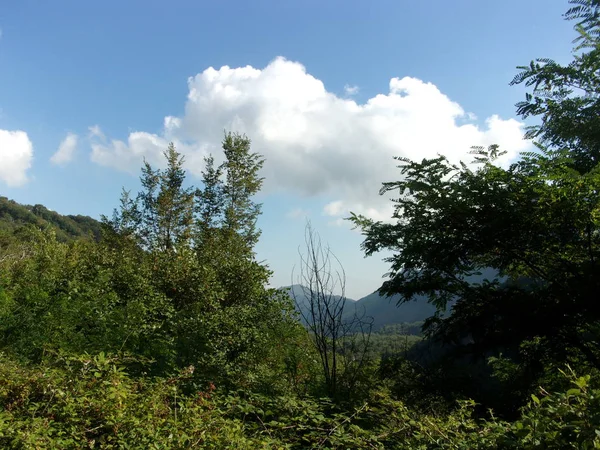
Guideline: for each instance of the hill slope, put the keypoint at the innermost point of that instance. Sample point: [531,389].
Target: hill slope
[14,215]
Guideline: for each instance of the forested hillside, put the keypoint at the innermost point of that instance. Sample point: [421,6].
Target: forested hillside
[13,216]
[162,331]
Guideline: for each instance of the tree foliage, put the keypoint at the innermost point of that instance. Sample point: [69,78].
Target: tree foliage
[535,222]
[174,280]
[164,333]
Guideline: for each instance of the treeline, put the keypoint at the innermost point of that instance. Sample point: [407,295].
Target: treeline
[13,216]
[163,333]
[173,281]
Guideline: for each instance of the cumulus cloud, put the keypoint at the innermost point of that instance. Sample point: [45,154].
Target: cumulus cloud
[315,142]
[350,90]
[128,155]
[66,150]
[16,155]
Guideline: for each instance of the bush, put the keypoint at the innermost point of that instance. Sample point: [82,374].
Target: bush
[91,402]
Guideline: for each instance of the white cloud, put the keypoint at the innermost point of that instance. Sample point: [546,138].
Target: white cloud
[297,213]
[315,142]
[66,150]
[127,156]
[334,208]
[351,90]
[342,209]
[96,132]
[16,155]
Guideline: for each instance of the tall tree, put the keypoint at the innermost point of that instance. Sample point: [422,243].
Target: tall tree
[242,182]
[537,223]
[163,210]
[148,229]
[210,201]
[127,219]
[174,203]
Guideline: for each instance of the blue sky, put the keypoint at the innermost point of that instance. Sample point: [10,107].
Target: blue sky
[328,92]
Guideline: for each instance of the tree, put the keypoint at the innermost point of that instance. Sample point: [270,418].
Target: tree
[125,221]
[162,214]
[566,97]
[242,182]
[341,340]
[210,200]
[537,223]
[227,230]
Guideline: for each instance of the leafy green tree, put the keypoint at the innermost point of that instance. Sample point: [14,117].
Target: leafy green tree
[537,223]
[241,167]
[126,220]
[210,200]
[198,246]
[227,221]
[168,206]
[566,97]
[161,216]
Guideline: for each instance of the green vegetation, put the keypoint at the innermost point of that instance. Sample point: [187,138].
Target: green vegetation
[161,332]
[14,216]
[536,223]
[92,402]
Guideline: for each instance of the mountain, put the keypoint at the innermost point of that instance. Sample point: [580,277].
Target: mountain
[14,215]
[385,310]
[302,302]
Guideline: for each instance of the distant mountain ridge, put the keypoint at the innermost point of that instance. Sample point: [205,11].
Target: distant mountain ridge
[67,227]
[385,310]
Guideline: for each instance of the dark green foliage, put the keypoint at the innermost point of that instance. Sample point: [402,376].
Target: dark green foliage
[535,223]
[79,297]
